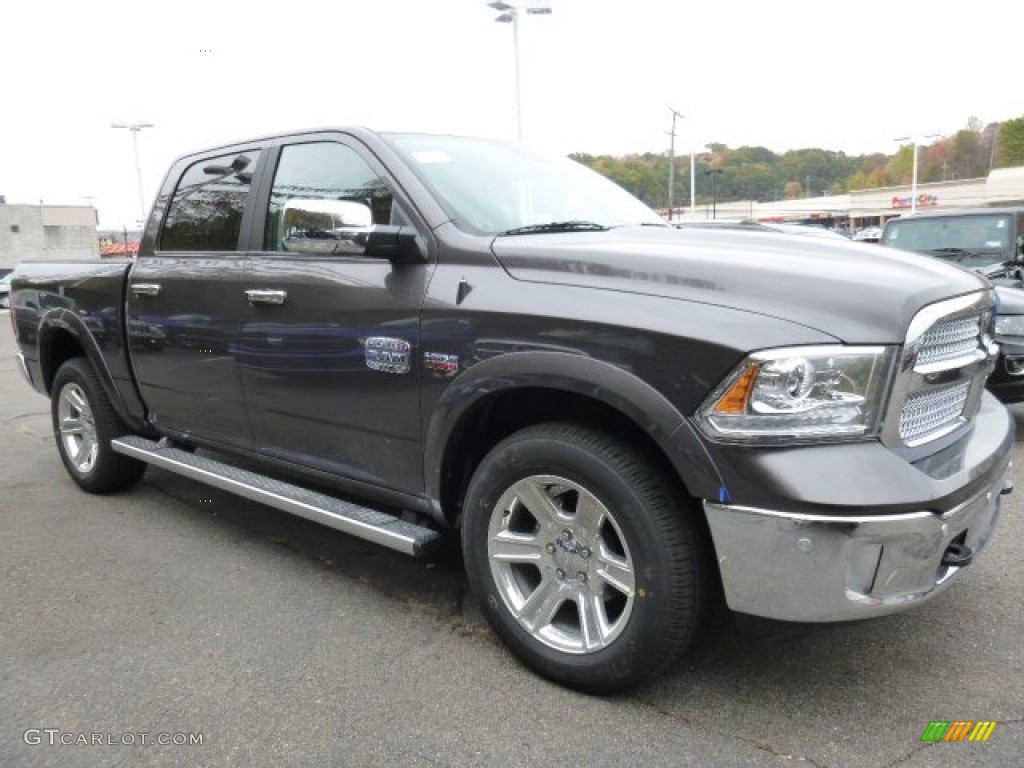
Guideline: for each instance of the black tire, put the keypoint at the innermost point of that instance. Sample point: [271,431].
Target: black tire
[84,423]
[641,584]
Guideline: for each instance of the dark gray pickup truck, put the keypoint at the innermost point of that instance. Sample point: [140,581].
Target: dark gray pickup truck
[404,335]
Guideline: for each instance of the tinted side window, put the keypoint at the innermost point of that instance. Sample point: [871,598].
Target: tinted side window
[324,194]
[205,213]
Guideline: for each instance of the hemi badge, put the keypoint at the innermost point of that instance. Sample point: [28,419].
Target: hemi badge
[441,363]
[387,355]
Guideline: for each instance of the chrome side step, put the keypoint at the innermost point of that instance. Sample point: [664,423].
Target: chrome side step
[389,531]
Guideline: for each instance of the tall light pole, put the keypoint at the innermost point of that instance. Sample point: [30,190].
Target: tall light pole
[712,171]
[135,128]
[672,163]
[916,140]
[693,183]
[510,14]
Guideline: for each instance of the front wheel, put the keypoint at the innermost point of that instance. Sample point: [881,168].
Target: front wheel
[84,423]
[587,562]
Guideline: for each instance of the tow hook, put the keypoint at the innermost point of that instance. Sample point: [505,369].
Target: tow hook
[959,555]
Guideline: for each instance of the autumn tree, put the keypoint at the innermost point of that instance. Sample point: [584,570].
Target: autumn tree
[1010,147]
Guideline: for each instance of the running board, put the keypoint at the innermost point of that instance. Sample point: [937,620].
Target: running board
[369,524]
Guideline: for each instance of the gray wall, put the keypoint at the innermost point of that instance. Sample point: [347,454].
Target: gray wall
[33,233]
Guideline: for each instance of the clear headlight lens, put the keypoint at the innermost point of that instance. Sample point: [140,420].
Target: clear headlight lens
[1010,325]
[802,392]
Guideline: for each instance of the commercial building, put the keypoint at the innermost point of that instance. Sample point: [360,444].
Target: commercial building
[873,207]
[36,232]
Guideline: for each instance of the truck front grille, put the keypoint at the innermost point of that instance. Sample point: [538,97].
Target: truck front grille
[947,356]
[932,410]
[949,340]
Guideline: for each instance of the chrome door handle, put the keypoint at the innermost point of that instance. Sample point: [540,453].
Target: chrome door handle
[258,296]
[146,289]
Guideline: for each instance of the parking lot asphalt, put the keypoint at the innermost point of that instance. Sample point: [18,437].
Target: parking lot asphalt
[185,614]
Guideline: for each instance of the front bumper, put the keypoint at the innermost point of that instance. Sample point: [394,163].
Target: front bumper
[815,568]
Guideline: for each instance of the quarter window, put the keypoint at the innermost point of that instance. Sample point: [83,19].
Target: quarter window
[205,213]
[324,196]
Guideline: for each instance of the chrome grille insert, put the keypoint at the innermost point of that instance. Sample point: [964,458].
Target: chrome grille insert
[927,412]
[948,340]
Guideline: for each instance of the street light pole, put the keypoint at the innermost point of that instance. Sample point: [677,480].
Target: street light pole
[510,14]
[712,172]
[135,128]
[916,141]
[693,183]
[672,163]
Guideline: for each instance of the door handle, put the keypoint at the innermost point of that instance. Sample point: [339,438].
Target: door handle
[259,296]
[146,289]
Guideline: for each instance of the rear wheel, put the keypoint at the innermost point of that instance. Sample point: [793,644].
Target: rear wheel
[84,423]
[586,561]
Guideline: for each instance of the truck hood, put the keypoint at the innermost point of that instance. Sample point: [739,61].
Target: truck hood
[858,293]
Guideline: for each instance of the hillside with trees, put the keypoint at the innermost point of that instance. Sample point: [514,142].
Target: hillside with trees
[758,173]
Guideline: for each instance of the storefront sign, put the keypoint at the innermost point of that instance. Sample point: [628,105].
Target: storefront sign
[923,201]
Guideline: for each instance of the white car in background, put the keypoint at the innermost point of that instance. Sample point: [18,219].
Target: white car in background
[5,291]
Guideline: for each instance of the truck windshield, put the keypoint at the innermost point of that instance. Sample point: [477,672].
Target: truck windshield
[494,188]
[972,241]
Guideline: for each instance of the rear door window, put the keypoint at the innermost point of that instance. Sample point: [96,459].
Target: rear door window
[205,213]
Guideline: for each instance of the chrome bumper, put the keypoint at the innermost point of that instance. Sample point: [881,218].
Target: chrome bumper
[814,568]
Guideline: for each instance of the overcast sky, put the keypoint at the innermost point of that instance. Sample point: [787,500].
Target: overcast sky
[597,76]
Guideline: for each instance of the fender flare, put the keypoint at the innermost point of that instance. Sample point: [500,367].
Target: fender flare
[580,374]
[63,319]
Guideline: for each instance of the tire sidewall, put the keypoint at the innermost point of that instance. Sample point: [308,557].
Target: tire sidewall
[110,471]
[640,643]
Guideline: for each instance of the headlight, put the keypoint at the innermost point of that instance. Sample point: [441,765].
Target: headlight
[1010,325]
[802,393]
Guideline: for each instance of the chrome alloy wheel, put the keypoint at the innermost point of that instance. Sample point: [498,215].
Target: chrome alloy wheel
[561,564]
[77,428]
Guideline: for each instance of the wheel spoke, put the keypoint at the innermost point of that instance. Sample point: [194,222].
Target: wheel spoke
[541,606]
[78,402]
[617,573]
[593,624]
[510,547]
[590,514]
[83,454]
[70,426]
[533,496]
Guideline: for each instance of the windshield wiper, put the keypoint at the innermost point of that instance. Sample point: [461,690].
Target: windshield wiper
[556,226]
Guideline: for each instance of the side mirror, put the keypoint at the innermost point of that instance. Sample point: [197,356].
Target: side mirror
[399,245]
[325,227]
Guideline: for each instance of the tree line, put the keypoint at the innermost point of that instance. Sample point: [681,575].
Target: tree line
[758,173]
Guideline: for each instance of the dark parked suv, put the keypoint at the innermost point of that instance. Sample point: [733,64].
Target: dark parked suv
[991,242]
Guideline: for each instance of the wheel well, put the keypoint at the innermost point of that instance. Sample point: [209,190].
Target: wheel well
[61,347]
[498,416]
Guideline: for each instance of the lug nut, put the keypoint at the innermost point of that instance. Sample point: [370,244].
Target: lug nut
[550,548]
[566,534]
[585,553]
[582,577]
[560,574]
